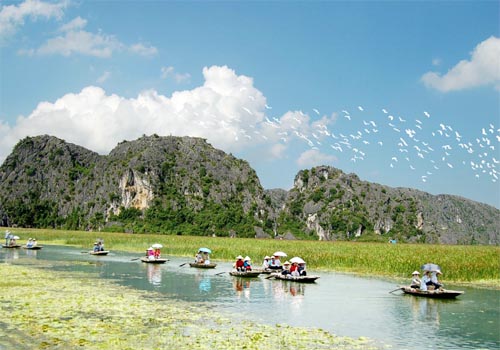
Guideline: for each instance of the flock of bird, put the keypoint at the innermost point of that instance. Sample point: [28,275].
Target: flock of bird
[414,143]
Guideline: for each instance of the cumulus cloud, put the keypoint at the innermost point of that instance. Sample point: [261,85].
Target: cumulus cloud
[13,16]
[314,157]
[226,109]
[482,69]
[143,49]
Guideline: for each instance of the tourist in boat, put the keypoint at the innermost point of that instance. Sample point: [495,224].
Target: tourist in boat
[239,264]
[434,280]
[150,253]
[425,279]
[29,244]
[247,266]
[96,247]
[286,268]
[33,242]
[415,282]
[265,263]
[294,269]
[275,263]
[199,258]
[302,269]
[156,253]
[8,237]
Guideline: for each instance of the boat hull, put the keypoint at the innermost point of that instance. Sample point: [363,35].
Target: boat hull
[300,279]
[11,246]
[246,274]
[203,266]
[38,247]
[103,252]
[154,261]
[437,294]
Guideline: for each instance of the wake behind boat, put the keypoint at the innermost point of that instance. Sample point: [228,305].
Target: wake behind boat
[438,294]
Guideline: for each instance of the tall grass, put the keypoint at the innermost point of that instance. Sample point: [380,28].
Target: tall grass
[458,263]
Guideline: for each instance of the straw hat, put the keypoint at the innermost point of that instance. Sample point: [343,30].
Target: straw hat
[239,257]
[286,263]
[416,273]
[247,258]
[439,272]
[267,257]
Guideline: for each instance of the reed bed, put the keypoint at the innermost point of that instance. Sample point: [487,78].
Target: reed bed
[467,264]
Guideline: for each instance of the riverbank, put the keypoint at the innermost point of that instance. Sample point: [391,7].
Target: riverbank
[468,265]
[44,309]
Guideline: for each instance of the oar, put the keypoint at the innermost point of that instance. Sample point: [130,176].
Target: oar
[270,276]
[181,265]
[395,290]
[220,273]
[134,259]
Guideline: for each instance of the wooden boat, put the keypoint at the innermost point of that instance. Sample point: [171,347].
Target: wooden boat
[101,252]
[245,273]
[203,266]
[438,294]
[300,279]
[153,261]
[37,247]
[11,246]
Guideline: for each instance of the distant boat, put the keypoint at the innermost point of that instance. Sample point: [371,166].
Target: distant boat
[153,261]
[37,247]
[101,252]
[438,294]
[300,279]
[11,246]
[203,265]
[245,273]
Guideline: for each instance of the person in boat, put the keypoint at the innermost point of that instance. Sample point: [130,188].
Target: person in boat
[199,258]
[434,280]
[275,263]
[294,269]
[96,247]
[29,244]
[425,279]
[415,282]
[100,244]
[150,253]
[302,269]
[8,236]
[239,264]
[156,253]
[206,259]
[265,263]
[247,266]
[33,242]
[286,268]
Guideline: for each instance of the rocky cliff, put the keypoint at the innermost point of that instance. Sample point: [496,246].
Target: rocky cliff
[182,185]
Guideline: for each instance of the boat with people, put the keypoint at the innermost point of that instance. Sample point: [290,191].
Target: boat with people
[36,247]
[203,265]
[202,259]
[100,252]
[11,246]
[245,273]
[438,293]
[300,279]
[153,261]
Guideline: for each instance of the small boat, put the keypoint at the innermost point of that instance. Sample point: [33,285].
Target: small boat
[11,246]
[37,247]
[438,294]
[245,273]
[202,266]
[301,279]
[101,252]
[153,261]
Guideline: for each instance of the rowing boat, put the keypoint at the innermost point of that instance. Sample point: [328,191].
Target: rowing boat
[153,261]
[11,246]
[438,294]
[101,252]
[37,247]
[202,265]
[245,273]
[301,279]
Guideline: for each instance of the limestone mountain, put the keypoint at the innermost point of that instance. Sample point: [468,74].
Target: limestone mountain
[183,185]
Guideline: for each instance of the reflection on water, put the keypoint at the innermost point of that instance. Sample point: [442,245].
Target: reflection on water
[343,304]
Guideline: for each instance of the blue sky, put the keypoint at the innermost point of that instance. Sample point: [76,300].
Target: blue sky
[400,93]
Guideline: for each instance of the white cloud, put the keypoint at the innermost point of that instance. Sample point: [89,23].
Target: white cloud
[13,16]
[482,69]
[169,71]
[313,157]
[76,24]
[143,50]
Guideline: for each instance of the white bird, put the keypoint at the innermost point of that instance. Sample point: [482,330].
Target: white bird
[268,107]
[247,110]
[401,120]
[390,117]
[427,114]
[347,116]
[360,108]
[384,110]
[316,111]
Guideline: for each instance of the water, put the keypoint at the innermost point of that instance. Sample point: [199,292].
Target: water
[343,304]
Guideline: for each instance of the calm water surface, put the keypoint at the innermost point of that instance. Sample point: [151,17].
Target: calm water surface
[343,304]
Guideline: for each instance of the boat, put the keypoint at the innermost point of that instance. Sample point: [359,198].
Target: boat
[438,294]
[202,265]
[11,246]
[153,261]
[301,279]
[37,247]
[101,252]
[245,273]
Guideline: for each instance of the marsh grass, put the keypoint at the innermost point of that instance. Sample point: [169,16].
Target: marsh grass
[478,264]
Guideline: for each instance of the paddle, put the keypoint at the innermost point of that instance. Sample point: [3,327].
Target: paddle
[220,273]
[395,290]
[270,276]
[181,265]
[134,259]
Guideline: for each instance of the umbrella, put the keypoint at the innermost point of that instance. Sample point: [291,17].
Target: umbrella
[281,254]
[430,267]
[297,260]
[205,250]
[157,246]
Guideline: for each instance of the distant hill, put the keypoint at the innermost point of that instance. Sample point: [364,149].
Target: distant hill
[183,185]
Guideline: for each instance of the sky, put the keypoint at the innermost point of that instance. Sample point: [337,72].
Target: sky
[401,93]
